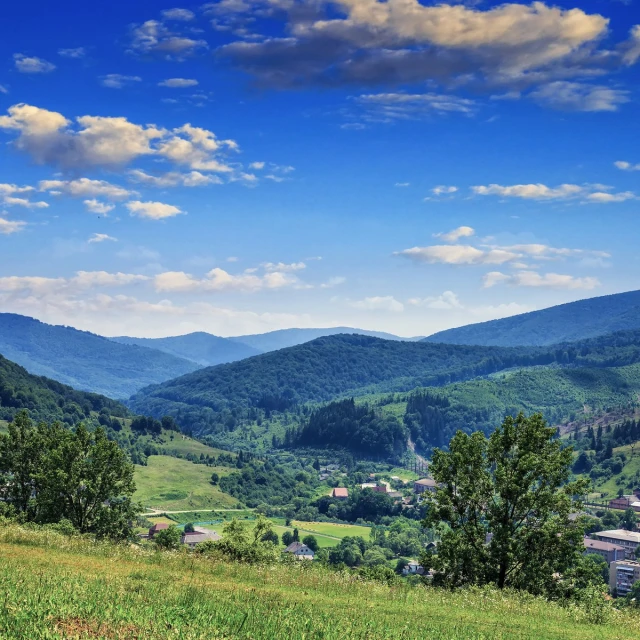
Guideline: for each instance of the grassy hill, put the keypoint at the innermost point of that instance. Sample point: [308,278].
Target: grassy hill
[202,348]
[562,323]
[54,587]
[170,484]
[84,360]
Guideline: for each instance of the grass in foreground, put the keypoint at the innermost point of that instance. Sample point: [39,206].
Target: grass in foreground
[173,483]
[65,588]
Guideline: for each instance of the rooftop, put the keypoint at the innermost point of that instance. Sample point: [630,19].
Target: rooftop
[340,492]
[601,546]
[426,482]
[620,534]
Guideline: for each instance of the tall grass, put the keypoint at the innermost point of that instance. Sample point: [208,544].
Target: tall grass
[57,587]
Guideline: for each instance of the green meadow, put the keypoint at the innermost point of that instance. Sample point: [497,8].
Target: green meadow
[55,587]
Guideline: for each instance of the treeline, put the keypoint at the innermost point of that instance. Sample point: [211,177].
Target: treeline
[50,474]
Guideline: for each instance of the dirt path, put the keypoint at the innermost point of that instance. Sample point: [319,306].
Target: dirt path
[412,446]
[157,512]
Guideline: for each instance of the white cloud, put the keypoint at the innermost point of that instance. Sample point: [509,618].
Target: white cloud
[542,192]
[281,266]
[50,138]
[627,166]
[457,254]
[537,280]
[335,281]
[220,280]
[83,280]
[443,190]
[445,301]
[632,46]
[154,38]
[7,227]
[101,237]
[95,206]
[182,15]
[402,184]
[8,197]
[390,107]
[456,234]
[178,83]
[379,303]
[3,89]
[31,64]
[576,96]
[85,187]
[118,81]
[78,52]
[174,179]
[257,166]
[152,210]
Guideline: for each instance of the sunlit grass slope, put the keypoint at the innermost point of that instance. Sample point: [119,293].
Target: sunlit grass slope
[175,484]
[58,588]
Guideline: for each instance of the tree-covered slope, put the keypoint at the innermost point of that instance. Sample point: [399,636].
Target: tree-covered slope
[48,400]
[283,338]
[221,397]
[563,323]
[84,360]
[202,348]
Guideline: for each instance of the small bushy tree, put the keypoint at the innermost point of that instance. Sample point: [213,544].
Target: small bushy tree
[168,538]
[311,542]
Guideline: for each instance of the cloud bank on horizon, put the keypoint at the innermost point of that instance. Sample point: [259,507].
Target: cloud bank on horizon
[449,163]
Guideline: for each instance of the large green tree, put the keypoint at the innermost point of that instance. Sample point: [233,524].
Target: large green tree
[51,473]
[503,507]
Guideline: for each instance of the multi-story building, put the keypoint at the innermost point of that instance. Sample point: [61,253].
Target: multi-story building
[610,552]
[630,540]
[623,574]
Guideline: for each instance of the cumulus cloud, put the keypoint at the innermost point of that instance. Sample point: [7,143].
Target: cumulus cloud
[456,234]
[537,280]
[220,280]
[31,64]
[178,83]
[118,81]
[542,192]
[78,52]
[405,41]
[83,280]
[84,187]
[95,206]
[7,227]
[112,142]
[152,210]
[281,266]
[379,303]
[11,195]
[445,301]
[101,237]
[576,96]
[153,37]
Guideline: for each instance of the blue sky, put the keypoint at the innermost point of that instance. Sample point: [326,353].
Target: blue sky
[241,166]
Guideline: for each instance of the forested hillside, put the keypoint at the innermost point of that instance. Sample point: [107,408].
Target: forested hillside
[84,360]
[220,398]
[563,323]
[48,400]
[202,348]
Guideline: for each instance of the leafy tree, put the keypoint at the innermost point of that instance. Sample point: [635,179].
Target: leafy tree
[168,538]
[629,520]
[311,542]
[271,536]
[296,535]
[215,478]
[505,503]
[287,538]
[189,528]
